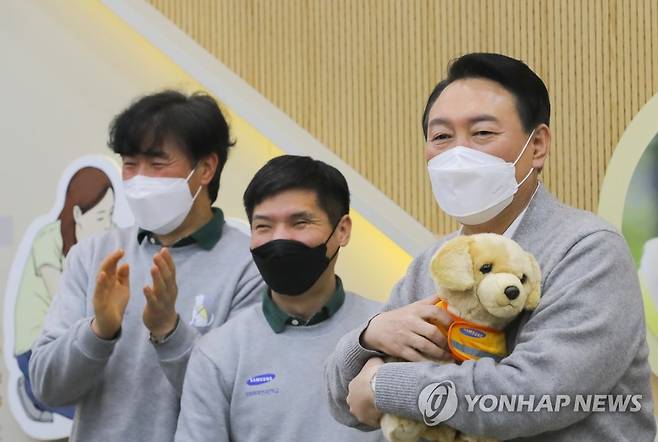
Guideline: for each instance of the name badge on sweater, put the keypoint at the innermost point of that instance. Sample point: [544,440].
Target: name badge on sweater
[259,385]
[202,316]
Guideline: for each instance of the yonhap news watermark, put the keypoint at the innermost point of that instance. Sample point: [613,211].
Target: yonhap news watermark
[587,403]
[439,401]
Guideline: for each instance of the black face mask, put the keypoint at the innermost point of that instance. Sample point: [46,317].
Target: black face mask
[291,267]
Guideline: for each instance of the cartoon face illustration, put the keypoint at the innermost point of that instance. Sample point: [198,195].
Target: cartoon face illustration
[96,220]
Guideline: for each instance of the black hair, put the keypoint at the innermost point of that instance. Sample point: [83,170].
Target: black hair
[532,102]
[195,122]
[289,172]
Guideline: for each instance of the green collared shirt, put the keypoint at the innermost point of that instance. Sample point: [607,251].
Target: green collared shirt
[206,236]
[278,319]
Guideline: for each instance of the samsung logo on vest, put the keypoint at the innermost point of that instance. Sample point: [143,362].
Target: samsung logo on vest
[472,332]
[261,379]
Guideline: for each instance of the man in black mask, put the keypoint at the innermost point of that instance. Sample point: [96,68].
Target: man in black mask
[259,377]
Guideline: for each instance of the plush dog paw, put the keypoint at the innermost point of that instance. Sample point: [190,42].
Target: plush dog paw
[440,434]
[399,429]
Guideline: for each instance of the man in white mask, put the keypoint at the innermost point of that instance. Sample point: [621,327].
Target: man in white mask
[487,138]
[133,301]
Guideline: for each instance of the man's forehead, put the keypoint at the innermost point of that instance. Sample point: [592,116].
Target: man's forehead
[166,149]
[148,152]
[277,213]
[289,203]
[470,119]
[471,98]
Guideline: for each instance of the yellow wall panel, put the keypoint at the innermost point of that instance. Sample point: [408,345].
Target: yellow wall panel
[356,74]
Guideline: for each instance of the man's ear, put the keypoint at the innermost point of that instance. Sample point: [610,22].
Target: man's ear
[207,165]
[452,266]
[344,230]
[535,295]
[540,144]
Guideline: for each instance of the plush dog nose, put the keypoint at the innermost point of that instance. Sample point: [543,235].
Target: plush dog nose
[512,292]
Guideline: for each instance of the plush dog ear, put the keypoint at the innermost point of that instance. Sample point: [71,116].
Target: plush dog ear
[533,298]
[452,266]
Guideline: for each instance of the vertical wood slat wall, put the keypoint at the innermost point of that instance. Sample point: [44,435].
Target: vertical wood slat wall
[356,73]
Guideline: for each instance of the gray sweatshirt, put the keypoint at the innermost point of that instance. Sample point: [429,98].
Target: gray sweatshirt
[586,337]
[128,389]
[246,383]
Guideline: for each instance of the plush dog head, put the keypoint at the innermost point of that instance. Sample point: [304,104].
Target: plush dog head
[486,278]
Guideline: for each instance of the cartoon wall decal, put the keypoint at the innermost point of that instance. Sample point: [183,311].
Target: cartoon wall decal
[89,201]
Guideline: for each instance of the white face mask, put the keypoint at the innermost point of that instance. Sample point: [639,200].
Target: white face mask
[472,186]
[159,204]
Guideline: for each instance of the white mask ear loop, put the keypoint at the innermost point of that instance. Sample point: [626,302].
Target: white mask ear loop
[193,170]
[198,190]
[524,147]
[197,193]
[521,154]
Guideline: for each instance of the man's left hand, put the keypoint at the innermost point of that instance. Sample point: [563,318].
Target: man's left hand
[361,398]
[160,312]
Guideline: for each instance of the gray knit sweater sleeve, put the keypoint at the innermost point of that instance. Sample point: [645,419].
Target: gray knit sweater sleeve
[67,358]
[341,367]
[350,356]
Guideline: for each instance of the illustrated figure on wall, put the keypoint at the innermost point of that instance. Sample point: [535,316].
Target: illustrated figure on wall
[87,210]
[85,205]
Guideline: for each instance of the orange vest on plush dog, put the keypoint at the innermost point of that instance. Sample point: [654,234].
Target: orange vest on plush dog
[471,341]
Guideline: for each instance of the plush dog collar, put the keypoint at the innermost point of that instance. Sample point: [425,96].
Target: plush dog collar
[471,341]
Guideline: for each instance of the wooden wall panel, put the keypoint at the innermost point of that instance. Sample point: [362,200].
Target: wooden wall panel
[356,74]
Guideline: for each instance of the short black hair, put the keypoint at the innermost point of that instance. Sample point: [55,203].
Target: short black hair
[532,102]
[195,122]
[289,172]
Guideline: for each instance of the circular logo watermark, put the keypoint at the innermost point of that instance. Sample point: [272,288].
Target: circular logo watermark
[438,402]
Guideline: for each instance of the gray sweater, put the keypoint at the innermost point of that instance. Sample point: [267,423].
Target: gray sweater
[245,383]
[128,389]
[586,337]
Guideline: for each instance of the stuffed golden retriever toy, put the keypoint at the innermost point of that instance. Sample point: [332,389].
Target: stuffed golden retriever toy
[484,282]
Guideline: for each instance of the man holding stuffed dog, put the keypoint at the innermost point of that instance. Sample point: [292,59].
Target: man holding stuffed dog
[487,138]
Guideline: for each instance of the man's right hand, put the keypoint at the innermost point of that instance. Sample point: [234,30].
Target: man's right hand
[110,296]
[406,333]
